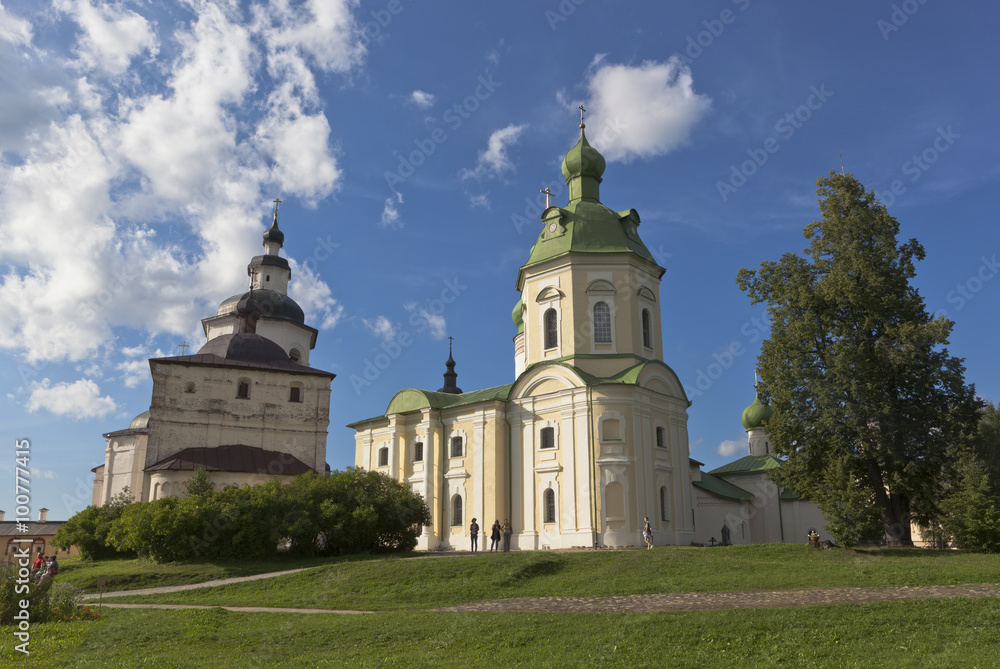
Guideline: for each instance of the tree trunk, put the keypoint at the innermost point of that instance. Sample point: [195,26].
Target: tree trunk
[895,510]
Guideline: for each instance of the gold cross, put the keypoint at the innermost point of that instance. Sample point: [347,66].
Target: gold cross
[581,114]
[548,194]
[183,346]
[276,203]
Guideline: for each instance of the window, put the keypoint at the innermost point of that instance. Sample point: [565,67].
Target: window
[551,327]
[548,437]
[295,393]
[418,451]
[456,447]
[383,457]
[243,390]
[647,336]
[549,498]
[602,322]
[661,441]
[612,429]
[189,387]
[664,504]
[456,510]
[294,355]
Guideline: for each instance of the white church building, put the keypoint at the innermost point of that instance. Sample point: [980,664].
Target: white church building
[247,407]
[591,435]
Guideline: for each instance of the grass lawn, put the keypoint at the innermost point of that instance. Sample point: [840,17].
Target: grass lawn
[133,574]
[926,634]
[402,584]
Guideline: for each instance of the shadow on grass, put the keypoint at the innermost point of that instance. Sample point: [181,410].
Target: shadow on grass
[542,565]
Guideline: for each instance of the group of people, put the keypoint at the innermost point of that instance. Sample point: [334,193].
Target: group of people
[45,566]
[497,532]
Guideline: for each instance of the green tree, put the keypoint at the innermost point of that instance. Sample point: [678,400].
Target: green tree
[865,395]
[971,507]
[88,530]
[199,485]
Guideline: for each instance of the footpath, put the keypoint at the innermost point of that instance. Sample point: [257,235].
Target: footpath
[676,601]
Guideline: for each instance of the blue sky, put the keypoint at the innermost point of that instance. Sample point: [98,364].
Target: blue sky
[141,146]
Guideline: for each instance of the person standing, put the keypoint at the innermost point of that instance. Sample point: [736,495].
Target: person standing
[507,532]
[495,534]
[474,533]
[647,532]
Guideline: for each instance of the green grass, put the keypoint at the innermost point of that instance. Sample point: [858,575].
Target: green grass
[402,584]
[926,634]
[134,574]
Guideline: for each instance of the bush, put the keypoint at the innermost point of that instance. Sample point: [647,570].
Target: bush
[47,600]
[88,530]
[347,512]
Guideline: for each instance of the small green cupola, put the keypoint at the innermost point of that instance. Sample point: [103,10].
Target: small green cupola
[757,414]
[517,315]
[583,168]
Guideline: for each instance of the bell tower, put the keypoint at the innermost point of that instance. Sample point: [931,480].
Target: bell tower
[590,291]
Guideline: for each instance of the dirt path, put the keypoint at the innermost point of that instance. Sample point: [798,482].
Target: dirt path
[677,601]
[194,586]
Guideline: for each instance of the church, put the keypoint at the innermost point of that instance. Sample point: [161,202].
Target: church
[591,436]
[588,439]
[247,407]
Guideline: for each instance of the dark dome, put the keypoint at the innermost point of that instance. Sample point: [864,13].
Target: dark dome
[272,305]
[273,234]
[244,348]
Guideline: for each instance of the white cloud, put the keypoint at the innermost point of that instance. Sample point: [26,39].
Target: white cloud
[390,212]
[98,167]
[730,447]
[80,399]
[111,35]
[314,296]
[643,111]
[43,474]
[480,200]
[435,324]
[494,161]
[421,99]
[134,372]
[13,29]
[381,327]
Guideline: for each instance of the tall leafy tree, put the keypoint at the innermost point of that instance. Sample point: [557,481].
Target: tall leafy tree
[864,392]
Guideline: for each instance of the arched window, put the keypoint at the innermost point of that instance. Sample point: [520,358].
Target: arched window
[602,322]
[456,510]
[548,437]
[294,355]
[549,499]
[647,335]
[383,457]
[664,504]
[243,390]
[418,451]
[551,327]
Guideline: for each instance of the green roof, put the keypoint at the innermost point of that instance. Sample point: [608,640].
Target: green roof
[414,399]
[585,225]
[748,465]
[721,488]
[757,414]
